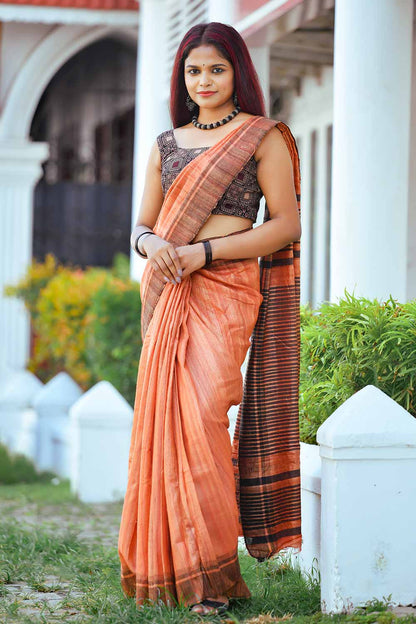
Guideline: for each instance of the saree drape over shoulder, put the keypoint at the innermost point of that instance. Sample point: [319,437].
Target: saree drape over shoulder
[191,492]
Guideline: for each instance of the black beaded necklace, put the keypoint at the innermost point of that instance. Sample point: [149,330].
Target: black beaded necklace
[216,124]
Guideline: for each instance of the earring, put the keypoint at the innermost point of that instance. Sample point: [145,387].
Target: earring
[190,104]
[235,99]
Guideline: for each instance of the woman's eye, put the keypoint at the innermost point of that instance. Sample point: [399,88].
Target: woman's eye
[215,70]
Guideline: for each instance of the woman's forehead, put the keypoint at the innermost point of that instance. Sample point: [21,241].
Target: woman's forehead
[205,55]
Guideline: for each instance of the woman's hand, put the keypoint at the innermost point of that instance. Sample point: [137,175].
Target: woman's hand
[163,258]
[173,263]
[191,257]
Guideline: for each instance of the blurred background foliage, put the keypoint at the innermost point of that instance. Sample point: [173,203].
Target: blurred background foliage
[87,322]
[17,468]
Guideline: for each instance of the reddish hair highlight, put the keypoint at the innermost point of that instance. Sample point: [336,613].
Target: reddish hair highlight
[231,46]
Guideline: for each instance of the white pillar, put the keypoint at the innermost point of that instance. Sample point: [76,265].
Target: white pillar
[221,11]
[368,502]
[19,171]
[372,78]
[261,60]
[305,155]
[320,246]
[152,101]
[411,276]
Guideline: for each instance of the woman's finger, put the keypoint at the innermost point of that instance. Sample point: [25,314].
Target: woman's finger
[170,268]
[159,265]
[175,259]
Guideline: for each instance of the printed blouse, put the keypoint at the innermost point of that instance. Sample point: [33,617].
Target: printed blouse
[242,197]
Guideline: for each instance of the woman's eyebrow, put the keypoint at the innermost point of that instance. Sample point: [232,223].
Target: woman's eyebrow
[213,65]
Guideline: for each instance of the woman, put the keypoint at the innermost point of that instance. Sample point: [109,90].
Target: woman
[203,296]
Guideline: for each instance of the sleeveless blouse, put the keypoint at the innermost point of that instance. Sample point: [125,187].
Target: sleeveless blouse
[242,197]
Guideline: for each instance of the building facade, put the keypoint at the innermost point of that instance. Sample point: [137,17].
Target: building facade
[340,73]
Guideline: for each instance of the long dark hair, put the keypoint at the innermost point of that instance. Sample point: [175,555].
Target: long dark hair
[232,47]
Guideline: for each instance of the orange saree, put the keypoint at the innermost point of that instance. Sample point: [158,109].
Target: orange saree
[180,520]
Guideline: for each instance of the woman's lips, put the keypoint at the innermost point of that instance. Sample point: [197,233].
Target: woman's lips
[206,93]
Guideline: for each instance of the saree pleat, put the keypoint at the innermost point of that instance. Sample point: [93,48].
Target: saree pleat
[179,529]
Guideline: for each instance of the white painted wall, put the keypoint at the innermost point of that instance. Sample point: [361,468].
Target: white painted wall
[309,111]
[17,41]
[221,11]
[66,15]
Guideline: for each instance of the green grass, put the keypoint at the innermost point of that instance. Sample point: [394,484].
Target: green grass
[85,574]
[32,554]
[38,493]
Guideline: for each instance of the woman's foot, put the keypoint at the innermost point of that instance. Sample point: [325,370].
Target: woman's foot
[211,606]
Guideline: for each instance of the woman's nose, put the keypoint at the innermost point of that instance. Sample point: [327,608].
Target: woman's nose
[204,79]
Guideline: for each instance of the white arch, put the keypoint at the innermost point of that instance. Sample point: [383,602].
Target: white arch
[51,53]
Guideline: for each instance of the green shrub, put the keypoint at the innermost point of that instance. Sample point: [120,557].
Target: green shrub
[30,286]
[85,322]
[349,345]
[17,468]
[113,341]
[88,323]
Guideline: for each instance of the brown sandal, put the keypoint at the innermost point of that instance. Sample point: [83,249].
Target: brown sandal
[210,607]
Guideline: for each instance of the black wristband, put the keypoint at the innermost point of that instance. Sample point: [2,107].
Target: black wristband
[136,243]
[208,252]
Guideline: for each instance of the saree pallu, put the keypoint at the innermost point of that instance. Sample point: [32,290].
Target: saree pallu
[181,515]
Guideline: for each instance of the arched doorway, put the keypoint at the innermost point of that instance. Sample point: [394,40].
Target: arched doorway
[82,203]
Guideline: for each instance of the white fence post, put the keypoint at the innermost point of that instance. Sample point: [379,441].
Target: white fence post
[101,423]
[6,374]
[310,464]
[16,408]
[368,538]
[52,405]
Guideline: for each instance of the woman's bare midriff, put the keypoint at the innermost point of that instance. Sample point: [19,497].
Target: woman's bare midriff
[221,225]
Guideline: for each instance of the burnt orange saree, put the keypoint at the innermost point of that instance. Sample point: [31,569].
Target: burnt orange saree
[180,520]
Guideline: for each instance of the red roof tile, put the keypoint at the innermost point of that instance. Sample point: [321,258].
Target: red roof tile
[118,5]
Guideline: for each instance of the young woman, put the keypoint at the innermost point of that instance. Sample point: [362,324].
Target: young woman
[204,297]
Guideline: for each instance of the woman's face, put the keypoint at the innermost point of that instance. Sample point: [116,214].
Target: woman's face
[209,77]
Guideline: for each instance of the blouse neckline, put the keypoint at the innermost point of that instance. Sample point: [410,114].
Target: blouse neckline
[214,144]
[188,148]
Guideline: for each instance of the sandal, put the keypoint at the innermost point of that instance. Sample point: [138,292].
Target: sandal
[210,607]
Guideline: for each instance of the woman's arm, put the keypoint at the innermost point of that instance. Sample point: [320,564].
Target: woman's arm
[275,178]
[161,253]
[152,196]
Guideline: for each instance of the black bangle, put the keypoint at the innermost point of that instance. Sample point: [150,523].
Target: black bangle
[208,252]
[136,243]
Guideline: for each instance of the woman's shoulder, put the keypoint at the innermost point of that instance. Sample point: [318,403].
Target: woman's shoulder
[165,141]
[275,139]
[275,128]
[163,136]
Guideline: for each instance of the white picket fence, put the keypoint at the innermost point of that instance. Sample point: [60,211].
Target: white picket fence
[358,483]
